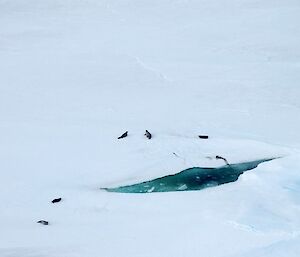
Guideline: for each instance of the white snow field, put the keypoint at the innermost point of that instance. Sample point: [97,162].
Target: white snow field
[76,74]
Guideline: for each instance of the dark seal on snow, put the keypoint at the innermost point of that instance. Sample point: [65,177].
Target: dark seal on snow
[123,135]
[203,136]
[56,200]
[43,222]
[148,134]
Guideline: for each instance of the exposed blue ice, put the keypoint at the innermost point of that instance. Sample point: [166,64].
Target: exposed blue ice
[191,179]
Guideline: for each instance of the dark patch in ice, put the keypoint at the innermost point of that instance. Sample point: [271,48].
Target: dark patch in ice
[191,179]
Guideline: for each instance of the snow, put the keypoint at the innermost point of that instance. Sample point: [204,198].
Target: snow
[75,75]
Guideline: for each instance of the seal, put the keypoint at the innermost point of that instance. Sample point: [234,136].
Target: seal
[123,135]
[203,136]
[43,222]
[56,200]
[148,134]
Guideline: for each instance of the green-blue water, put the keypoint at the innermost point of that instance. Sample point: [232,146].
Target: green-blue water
[191,179]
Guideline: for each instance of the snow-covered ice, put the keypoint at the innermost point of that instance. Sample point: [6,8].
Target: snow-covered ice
[76,74]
